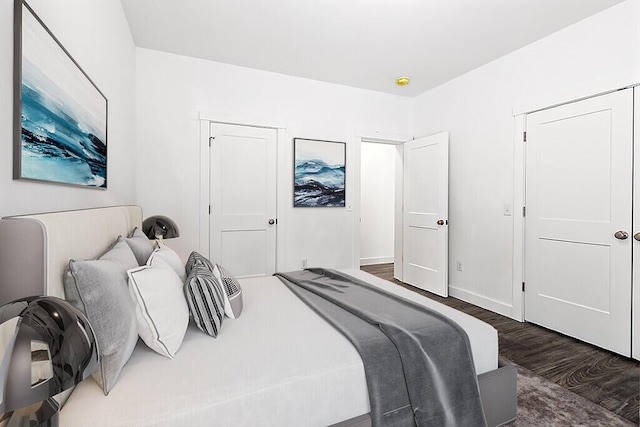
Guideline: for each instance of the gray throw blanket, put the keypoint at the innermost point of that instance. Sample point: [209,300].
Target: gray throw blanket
[417,362]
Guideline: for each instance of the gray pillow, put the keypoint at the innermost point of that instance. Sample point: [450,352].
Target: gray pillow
[140,245]
[99,289]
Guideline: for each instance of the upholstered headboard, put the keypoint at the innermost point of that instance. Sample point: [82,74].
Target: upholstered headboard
[35,249]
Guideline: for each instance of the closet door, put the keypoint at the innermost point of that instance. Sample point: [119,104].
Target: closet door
[635,333]
[578,224]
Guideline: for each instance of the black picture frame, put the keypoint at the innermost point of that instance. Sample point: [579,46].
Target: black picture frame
[60,115]
[319,173]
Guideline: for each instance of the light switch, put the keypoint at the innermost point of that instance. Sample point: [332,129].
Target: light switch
[506,209]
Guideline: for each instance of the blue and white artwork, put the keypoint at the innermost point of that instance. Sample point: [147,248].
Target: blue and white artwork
[319,178]
[63,115]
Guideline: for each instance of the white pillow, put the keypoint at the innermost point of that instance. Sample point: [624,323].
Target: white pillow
[161,310]
[168,255]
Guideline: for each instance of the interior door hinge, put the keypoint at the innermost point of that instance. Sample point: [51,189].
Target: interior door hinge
[524,136]
[524,211]
[209,209]
[211,138]
[523,286]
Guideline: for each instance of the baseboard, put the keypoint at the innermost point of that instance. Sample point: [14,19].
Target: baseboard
[483,302]
[376,260]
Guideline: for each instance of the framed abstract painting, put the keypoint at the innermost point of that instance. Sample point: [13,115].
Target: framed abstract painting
[319,173]
[60,122]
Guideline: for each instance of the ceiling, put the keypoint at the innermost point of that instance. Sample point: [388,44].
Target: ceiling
[360,43]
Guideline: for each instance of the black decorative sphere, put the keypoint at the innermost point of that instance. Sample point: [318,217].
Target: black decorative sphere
[46,347]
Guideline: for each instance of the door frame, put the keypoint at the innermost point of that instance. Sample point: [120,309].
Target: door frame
[206,119]
[519,183]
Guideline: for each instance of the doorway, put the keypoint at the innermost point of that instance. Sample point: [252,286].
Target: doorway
[377,202]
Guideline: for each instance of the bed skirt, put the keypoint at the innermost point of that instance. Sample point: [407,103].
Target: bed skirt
[497,391]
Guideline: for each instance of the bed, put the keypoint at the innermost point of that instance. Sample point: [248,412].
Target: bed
[279,364]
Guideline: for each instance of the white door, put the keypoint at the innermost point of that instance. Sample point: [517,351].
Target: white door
[243,199]
[578,196]
[635,352]
[426,202]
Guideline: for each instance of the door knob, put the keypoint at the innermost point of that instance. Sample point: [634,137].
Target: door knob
[637,236]
[440,222]
[621,234]
[272,221]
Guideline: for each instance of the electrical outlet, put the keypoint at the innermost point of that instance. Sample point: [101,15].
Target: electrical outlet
[459,265]
[304,263]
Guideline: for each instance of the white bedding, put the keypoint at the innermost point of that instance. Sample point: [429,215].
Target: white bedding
[279,364]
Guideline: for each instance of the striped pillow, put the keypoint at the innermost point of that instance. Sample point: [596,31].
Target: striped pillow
[205,299]
[232,291]
[196,258]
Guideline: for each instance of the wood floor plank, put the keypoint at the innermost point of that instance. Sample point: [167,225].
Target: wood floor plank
[604,378]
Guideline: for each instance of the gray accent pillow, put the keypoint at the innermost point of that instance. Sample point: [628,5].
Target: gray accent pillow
[99,289]
[140,245]
[205,299]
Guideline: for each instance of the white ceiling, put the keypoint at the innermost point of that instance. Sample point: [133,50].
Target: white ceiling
[361,43]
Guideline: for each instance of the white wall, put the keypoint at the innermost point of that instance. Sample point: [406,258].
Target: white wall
[476,108]
[172,90]
[97,35]
[377,195]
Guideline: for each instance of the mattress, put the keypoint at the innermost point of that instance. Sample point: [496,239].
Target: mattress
[279,364]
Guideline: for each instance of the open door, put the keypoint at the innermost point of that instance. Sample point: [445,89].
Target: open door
[426,202]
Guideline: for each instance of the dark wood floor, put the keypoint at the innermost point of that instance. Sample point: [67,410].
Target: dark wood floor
[604,378]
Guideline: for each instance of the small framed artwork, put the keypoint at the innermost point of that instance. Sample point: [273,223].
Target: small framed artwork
[319,173]
[60,121]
